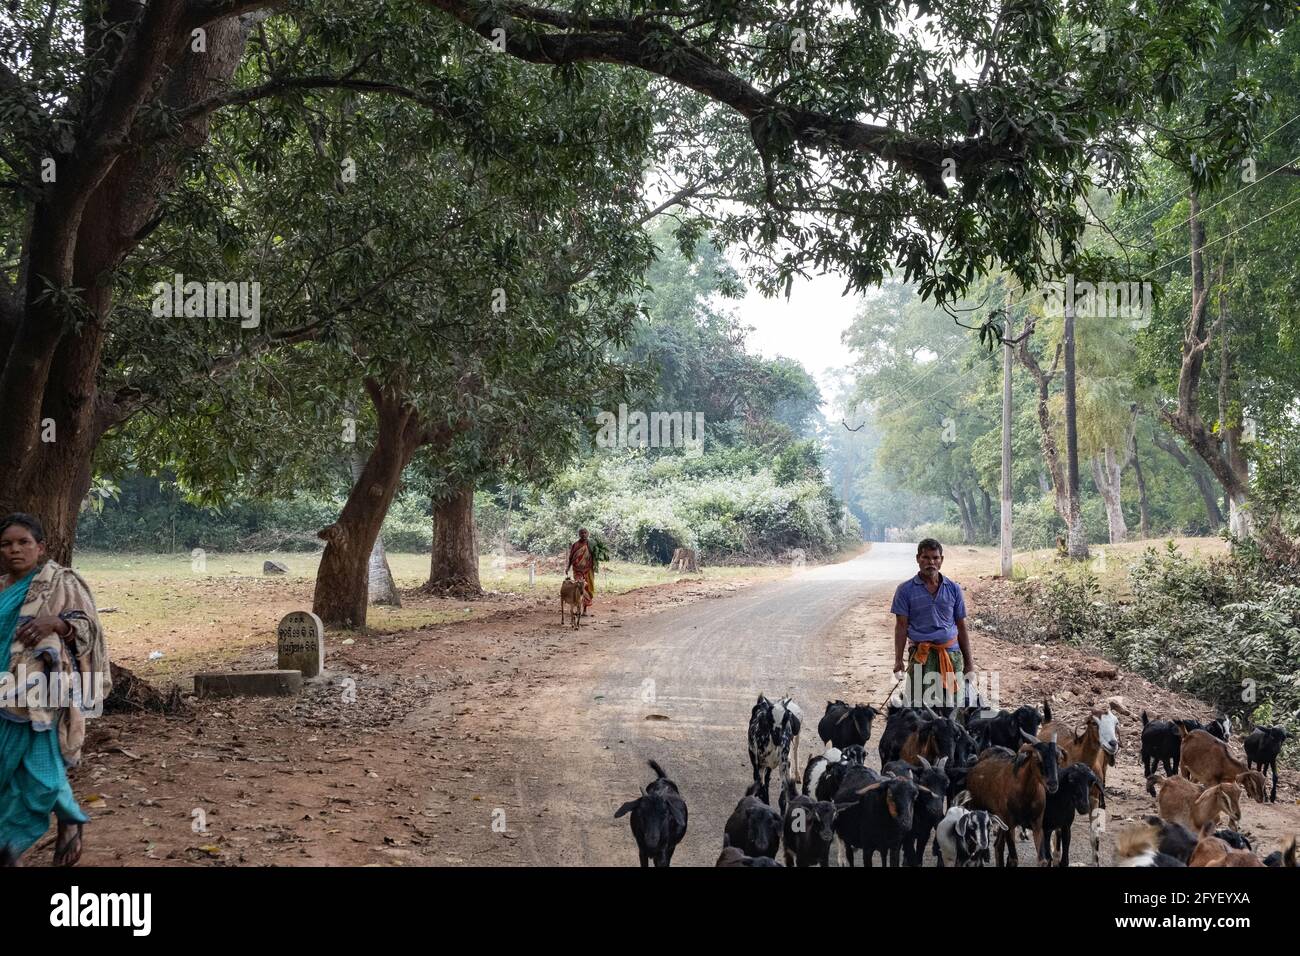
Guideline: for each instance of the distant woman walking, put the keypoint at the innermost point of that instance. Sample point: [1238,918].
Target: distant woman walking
[582,561]
[49,632]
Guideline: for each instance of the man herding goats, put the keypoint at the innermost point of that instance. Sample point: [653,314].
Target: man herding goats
[931,615]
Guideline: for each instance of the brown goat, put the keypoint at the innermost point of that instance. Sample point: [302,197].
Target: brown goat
[1095,746]
[571,595]
[1206,760]
[1211,851]
[1182,801]
[1015,789]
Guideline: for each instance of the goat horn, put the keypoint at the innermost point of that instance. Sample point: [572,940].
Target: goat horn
[1034,740]
[925,764]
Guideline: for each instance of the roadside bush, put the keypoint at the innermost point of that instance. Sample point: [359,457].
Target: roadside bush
[1225,629]
[645,508]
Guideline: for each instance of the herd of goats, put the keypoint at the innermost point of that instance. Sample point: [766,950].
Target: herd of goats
[961,783]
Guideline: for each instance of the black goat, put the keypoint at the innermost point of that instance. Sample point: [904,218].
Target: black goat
[658,819]
[754,827]
[821,779]
[1074,787]
[1263,745]
[876,818]
[1162,743]
[932,785]
[808,829]
[845,725]
[1003,730]
[900,723]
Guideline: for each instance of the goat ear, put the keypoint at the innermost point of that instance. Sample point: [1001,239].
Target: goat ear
[625,808]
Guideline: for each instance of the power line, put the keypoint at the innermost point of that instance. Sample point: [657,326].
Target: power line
[1178,195]
[1187,255]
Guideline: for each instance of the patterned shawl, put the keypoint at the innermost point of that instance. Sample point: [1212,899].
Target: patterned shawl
[73,671]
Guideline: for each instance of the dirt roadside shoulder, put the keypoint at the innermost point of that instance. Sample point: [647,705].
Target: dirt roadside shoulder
[1071,680]
[330,777]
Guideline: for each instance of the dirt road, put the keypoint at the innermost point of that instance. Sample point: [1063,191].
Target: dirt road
[511,741]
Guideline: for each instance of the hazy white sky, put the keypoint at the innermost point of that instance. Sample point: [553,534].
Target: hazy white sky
[806,327]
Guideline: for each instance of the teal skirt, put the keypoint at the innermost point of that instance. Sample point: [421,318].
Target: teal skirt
[33,784]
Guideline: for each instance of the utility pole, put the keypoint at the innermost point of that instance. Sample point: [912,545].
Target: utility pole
[1004,537]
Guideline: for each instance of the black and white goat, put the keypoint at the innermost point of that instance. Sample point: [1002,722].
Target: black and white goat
[773,736]
[965,837]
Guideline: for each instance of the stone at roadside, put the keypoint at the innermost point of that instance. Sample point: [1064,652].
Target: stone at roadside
[269,683]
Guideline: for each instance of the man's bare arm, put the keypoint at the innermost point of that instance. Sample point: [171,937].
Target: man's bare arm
[963,642]
[900,640]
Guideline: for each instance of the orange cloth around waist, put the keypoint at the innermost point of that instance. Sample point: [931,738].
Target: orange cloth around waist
[947,673]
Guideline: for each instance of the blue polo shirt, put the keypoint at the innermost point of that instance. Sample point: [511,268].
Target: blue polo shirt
[930,617]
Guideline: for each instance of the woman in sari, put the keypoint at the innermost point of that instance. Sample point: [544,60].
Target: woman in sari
[582,561]
[55,671]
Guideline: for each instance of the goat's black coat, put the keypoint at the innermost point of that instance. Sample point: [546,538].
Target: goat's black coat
[808,829]
[753,826]
[877,820]
[846,725]
[1074,786]
[932,785]
[658,819]
[1162,743]
[1003,730]
[1263,746]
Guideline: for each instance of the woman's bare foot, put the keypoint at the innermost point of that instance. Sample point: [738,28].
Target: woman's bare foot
[67,849]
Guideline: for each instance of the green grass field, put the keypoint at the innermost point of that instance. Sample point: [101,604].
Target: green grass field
[199,614]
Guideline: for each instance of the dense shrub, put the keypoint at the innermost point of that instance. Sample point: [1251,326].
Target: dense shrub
[1226,629]
[946,534]
[148,515]
[645,508]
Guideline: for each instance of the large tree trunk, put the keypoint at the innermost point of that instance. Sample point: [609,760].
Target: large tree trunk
[1046,434]
[1107,474]
[967,519]
[342,580]
[1144,504]
[1220,449]
[382,589]
[99,209]
[1204,482]
[453,568]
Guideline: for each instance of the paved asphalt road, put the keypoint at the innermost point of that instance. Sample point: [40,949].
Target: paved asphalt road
[702,667]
